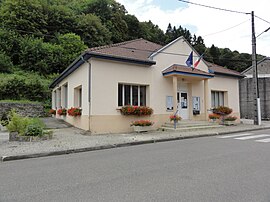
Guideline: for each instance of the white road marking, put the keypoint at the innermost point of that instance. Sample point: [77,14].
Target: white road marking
[238,135]
[263,140]
[252,137]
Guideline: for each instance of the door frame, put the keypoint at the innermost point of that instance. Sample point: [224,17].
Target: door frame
[183,112]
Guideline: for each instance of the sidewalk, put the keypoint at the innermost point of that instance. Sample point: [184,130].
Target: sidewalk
[68,139]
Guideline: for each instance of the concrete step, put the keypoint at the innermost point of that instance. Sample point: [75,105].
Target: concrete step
[190,128]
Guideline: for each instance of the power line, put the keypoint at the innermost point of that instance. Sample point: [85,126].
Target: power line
[226,29]
[181,54]
[217,8]
[262,19]
[263,32]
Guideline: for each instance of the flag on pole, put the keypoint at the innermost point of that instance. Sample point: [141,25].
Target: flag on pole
[198,61]
[189,61]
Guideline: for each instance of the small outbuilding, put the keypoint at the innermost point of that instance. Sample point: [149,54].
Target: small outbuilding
[247,90]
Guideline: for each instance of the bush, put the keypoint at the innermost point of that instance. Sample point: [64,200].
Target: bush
[34,130]
[21,124]
[137,110]
[5,63]
[17,123]
[4,120]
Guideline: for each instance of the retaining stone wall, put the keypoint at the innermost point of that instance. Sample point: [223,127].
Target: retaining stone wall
[31,110]
[247,97]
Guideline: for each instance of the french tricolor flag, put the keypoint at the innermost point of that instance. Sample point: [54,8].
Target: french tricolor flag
[198,61]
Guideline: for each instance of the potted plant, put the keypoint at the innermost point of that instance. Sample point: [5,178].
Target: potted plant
[213,117]
[229,120]
[52,112]
[142,125]
[62,112]
[222,111]
[175,118]
[136,110]
[75,111]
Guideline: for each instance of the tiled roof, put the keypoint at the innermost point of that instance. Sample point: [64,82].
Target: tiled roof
[222,70]
[138,49]
[185,69]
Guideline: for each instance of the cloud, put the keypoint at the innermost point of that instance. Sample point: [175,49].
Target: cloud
[207,21]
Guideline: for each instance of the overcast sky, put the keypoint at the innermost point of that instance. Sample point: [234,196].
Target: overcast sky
[209,23]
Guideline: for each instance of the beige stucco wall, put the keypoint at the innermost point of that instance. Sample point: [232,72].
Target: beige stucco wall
[106,76]
[78,78]
[229,85]
[103,124]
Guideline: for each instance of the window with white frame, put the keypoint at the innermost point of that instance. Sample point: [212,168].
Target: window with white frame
[217,98]
[54,103]
[58,98]
[131,95]
[78,96]
[65,91]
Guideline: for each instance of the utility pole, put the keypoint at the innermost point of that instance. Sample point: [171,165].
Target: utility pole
[257,106]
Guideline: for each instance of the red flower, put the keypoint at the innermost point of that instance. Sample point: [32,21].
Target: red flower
[73,111]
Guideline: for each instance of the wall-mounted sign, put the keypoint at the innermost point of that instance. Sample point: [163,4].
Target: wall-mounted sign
[169,102]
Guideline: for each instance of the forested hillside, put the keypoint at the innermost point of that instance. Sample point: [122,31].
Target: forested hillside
[40,38]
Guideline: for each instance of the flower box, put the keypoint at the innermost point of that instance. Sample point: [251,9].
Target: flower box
[62,112]
[139,129]
[136,110]
[229,123]
[142,125]
[74,111]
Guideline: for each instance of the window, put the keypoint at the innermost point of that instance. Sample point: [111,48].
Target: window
[217,98]
[131,95]
[58,98]
[65,91]
[78,97]
[54,103]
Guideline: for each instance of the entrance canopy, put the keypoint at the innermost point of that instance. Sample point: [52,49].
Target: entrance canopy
[185,71]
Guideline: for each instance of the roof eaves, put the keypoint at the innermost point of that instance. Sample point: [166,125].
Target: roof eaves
[188,74]
[71,68]
[122,59]
[227,74]
[85,56]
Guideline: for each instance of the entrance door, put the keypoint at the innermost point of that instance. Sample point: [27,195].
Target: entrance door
[182,98]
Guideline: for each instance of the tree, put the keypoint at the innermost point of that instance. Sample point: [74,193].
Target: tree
[9,43]
[72,47]
[93,33]
[152,32]
[23,16]
[60,20]
[198,44]
[5,63]
[133,24]
[215,53]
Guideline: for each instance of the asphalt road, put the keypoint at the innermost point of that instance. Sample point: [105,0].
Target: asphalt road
[202,169]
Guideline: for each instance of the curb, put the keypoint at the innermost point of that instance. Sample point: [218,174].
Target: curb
[87,149]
